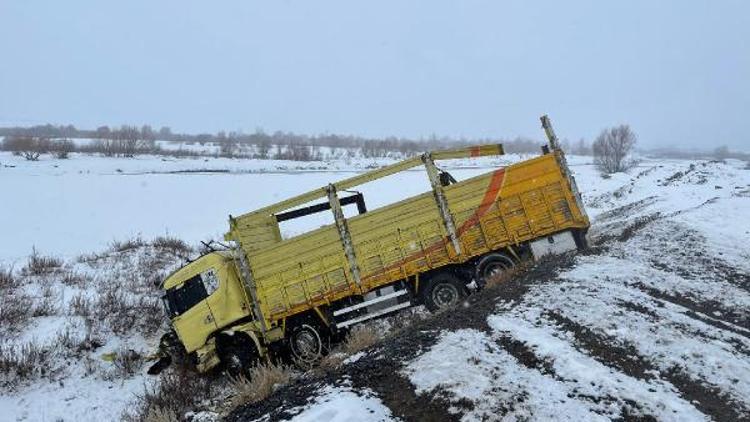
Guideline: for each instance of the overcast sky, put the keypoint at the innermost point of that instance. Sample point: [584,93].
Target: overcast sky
[677,71]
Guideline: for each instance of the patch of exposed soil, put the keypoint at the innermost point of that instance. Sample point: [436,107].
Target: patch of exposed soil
[711,401]
[604,349]
[707,307]
[627,232]
[525,355]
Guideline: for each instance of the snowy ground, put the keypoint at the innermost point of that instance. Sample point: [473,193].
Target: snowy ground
[654,321]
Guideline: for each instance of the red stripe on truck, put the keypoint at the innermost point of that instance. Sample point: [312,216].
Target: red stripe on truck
[489,198]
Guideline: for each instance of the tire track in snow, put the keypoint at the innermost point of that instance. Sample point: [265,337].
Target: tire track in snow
[734,322]
[608,391]
[708,360]
[711,401]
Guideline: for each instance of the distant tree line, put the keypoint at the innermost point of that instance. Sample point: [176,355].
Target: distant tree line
[127,141]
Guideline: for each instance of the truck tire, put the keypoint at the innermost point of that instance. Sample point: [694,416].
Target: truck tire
[492,265]
[444,290]
[306,344]
[238,355]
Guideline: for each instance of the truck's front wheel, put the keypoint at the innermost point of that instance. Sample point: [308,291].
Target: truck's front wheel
[238,355]
[444,290]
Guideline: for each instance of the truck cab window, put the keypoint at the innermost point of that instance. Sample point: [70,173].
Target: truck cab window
[210,281]
[181,298]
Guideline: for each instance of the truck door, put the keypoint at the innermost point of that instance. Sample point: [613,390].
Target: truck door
[226,298]
[190,313]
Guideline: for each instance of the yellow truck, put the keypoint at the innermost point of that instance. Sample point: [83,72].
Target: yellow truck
[265,294]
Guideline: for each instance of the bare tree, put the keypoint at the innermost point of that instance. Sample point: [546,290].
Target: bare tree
[165,133]
[612,149]
[29,147]
[721,153]
[129,136]
[264,148]
[62,148]
[581,148]
[227,144]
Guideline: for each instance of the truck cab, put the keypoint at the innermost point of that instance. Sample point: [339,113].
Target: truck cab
[202,298]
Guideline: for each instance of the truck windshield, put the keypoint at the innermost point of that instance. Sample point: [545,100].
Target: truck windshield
[183,297]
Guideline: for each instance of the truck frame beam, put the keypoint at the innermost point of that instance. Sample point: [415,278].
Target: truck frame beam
[442,203]
[343,229]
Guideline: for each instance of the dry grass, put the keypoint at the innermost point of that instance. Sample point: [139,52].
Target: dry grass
[47,303]
[508,274]
[14,309]
[359,338]
[24,362]
[41,265]
[159,414]
[7,279]
[127,363]
[127,245]
[173,245]
[178,392]
[263,380]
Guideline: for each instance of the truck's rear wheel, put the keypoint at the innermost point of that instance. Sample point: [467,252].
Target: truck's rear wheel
[443,291]
[492,267]
[306,343]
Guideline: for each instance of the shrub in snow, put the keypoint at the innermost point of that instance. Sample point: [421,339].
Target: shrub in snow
[7,279]
[127,245]
[176,247]
[27,361]
[29,147]
[62,148]
[360,338]
[127,363]
[74,278]
[40,265]
[46,303]
[80,305]
[124,312]
[15,308]
[178,391]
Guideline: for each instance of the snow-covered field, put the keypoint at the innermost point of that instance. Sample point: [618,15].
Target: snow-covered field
[654,321]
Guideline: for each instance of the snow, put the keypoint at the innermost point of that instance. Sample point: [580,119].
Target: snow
[453,364]
[78,382]
[341,404]
[76,398]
